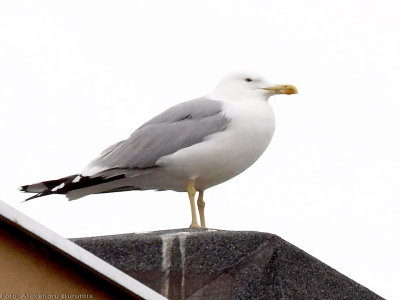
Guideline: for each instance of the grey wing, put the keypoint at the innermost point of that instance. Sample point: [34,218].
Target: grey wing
[178,127]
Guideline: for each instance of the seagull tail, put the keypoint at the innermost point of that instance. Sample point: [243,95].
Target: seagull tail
[77,186]
[44,188]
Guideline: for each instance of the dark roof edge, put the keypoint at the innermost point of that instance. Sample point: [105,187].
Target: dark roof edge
[75,253]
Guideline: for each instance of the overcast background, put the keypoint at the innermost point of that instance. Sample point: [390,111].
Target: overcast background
[77,76]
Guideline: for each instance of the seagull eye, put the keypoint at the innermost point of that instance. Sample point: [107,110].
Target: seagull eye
[248,80]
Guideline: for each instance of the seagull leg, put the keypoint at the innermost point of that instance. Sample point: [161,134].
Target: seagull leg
[200,205]
[192,193]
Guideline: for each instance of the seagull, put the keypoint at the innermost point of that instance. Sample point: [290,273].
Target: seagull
[190,147]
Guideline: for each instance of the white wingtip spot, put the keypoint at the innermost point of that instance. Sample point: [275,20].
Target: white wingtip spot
[60,186]
[20,188]
[76,179]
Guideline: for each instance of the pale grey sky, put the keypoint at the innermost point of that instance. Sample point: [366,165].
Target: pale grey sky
[78,76]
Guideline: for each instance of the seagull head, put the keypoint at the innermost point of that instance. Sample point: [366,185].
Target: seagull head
[238,86]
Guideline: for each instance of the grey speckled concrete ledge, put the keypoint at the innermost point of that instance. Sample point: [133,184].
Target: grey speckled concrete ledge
[216,264]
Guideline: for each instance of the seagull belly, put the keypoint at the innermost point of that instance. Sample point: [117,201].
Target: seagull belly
[225,154]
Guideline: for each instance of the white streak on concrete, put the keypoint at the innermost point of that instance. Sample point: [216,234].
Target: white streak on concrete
[182,244]
[167,242]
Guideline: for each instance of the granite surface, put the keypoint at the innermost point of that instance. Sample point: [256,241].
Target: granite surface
[217,264]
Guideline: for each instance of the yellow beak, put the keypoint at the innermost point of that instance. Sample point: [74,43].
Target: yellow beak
[282,89]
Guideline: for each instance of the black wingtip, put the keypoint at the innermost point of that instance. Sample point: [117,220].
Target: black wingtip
[23,188]
[45,193]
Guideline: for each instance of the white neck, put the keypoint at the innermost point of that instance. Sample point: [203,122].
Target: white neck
[232,95]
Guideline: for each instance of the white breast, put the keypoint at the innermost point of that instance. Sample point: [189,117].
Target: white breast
[226,154]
